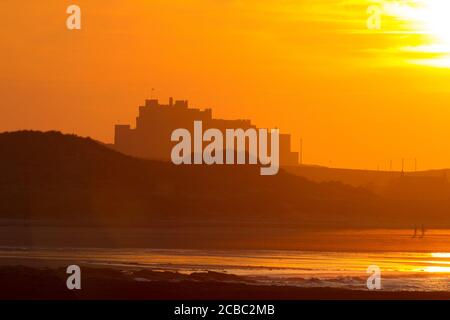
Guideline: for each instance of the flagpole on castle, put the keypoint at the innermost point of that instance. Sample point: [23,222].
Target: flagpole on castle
[151,93]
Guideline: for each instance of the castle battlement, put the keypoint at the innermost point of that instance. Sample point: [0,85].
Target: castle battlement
[151,136]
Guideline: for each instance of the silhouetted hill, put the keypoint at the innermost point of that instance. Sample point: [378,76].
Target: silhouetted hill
[48,178]
[421,197]
[55,177]
[376,181]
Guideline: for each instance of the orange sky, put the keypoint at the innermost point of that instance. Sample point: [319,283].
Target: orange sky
[358,97]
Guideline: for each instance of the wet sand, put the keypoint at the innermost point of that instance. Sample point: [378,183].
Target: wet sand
[223,237]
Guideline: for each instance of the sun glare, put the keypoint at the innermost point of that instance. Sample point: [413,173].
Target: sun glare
[436,14]
[430,18]
[440,254]
[437,269]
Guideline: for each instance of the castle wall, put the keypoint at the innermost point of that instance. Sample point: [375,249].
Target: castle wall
[155,123]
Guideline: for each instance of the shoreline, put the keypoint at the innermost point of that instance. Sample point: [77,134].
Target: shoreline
[223,238]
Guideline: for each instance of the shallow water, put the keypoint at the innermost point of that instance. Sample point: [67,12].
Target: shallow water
[320,259]
[400,270]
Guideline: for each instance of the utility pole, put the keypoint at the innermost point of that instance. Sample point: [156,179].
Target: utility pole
[301,151]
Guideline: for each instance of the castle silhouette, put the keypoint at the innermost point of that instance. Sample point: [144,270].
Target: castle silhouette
[156,122]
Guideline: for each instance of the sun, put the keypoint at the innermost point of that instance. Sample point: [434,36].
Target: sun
[430,18]
[436,19]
